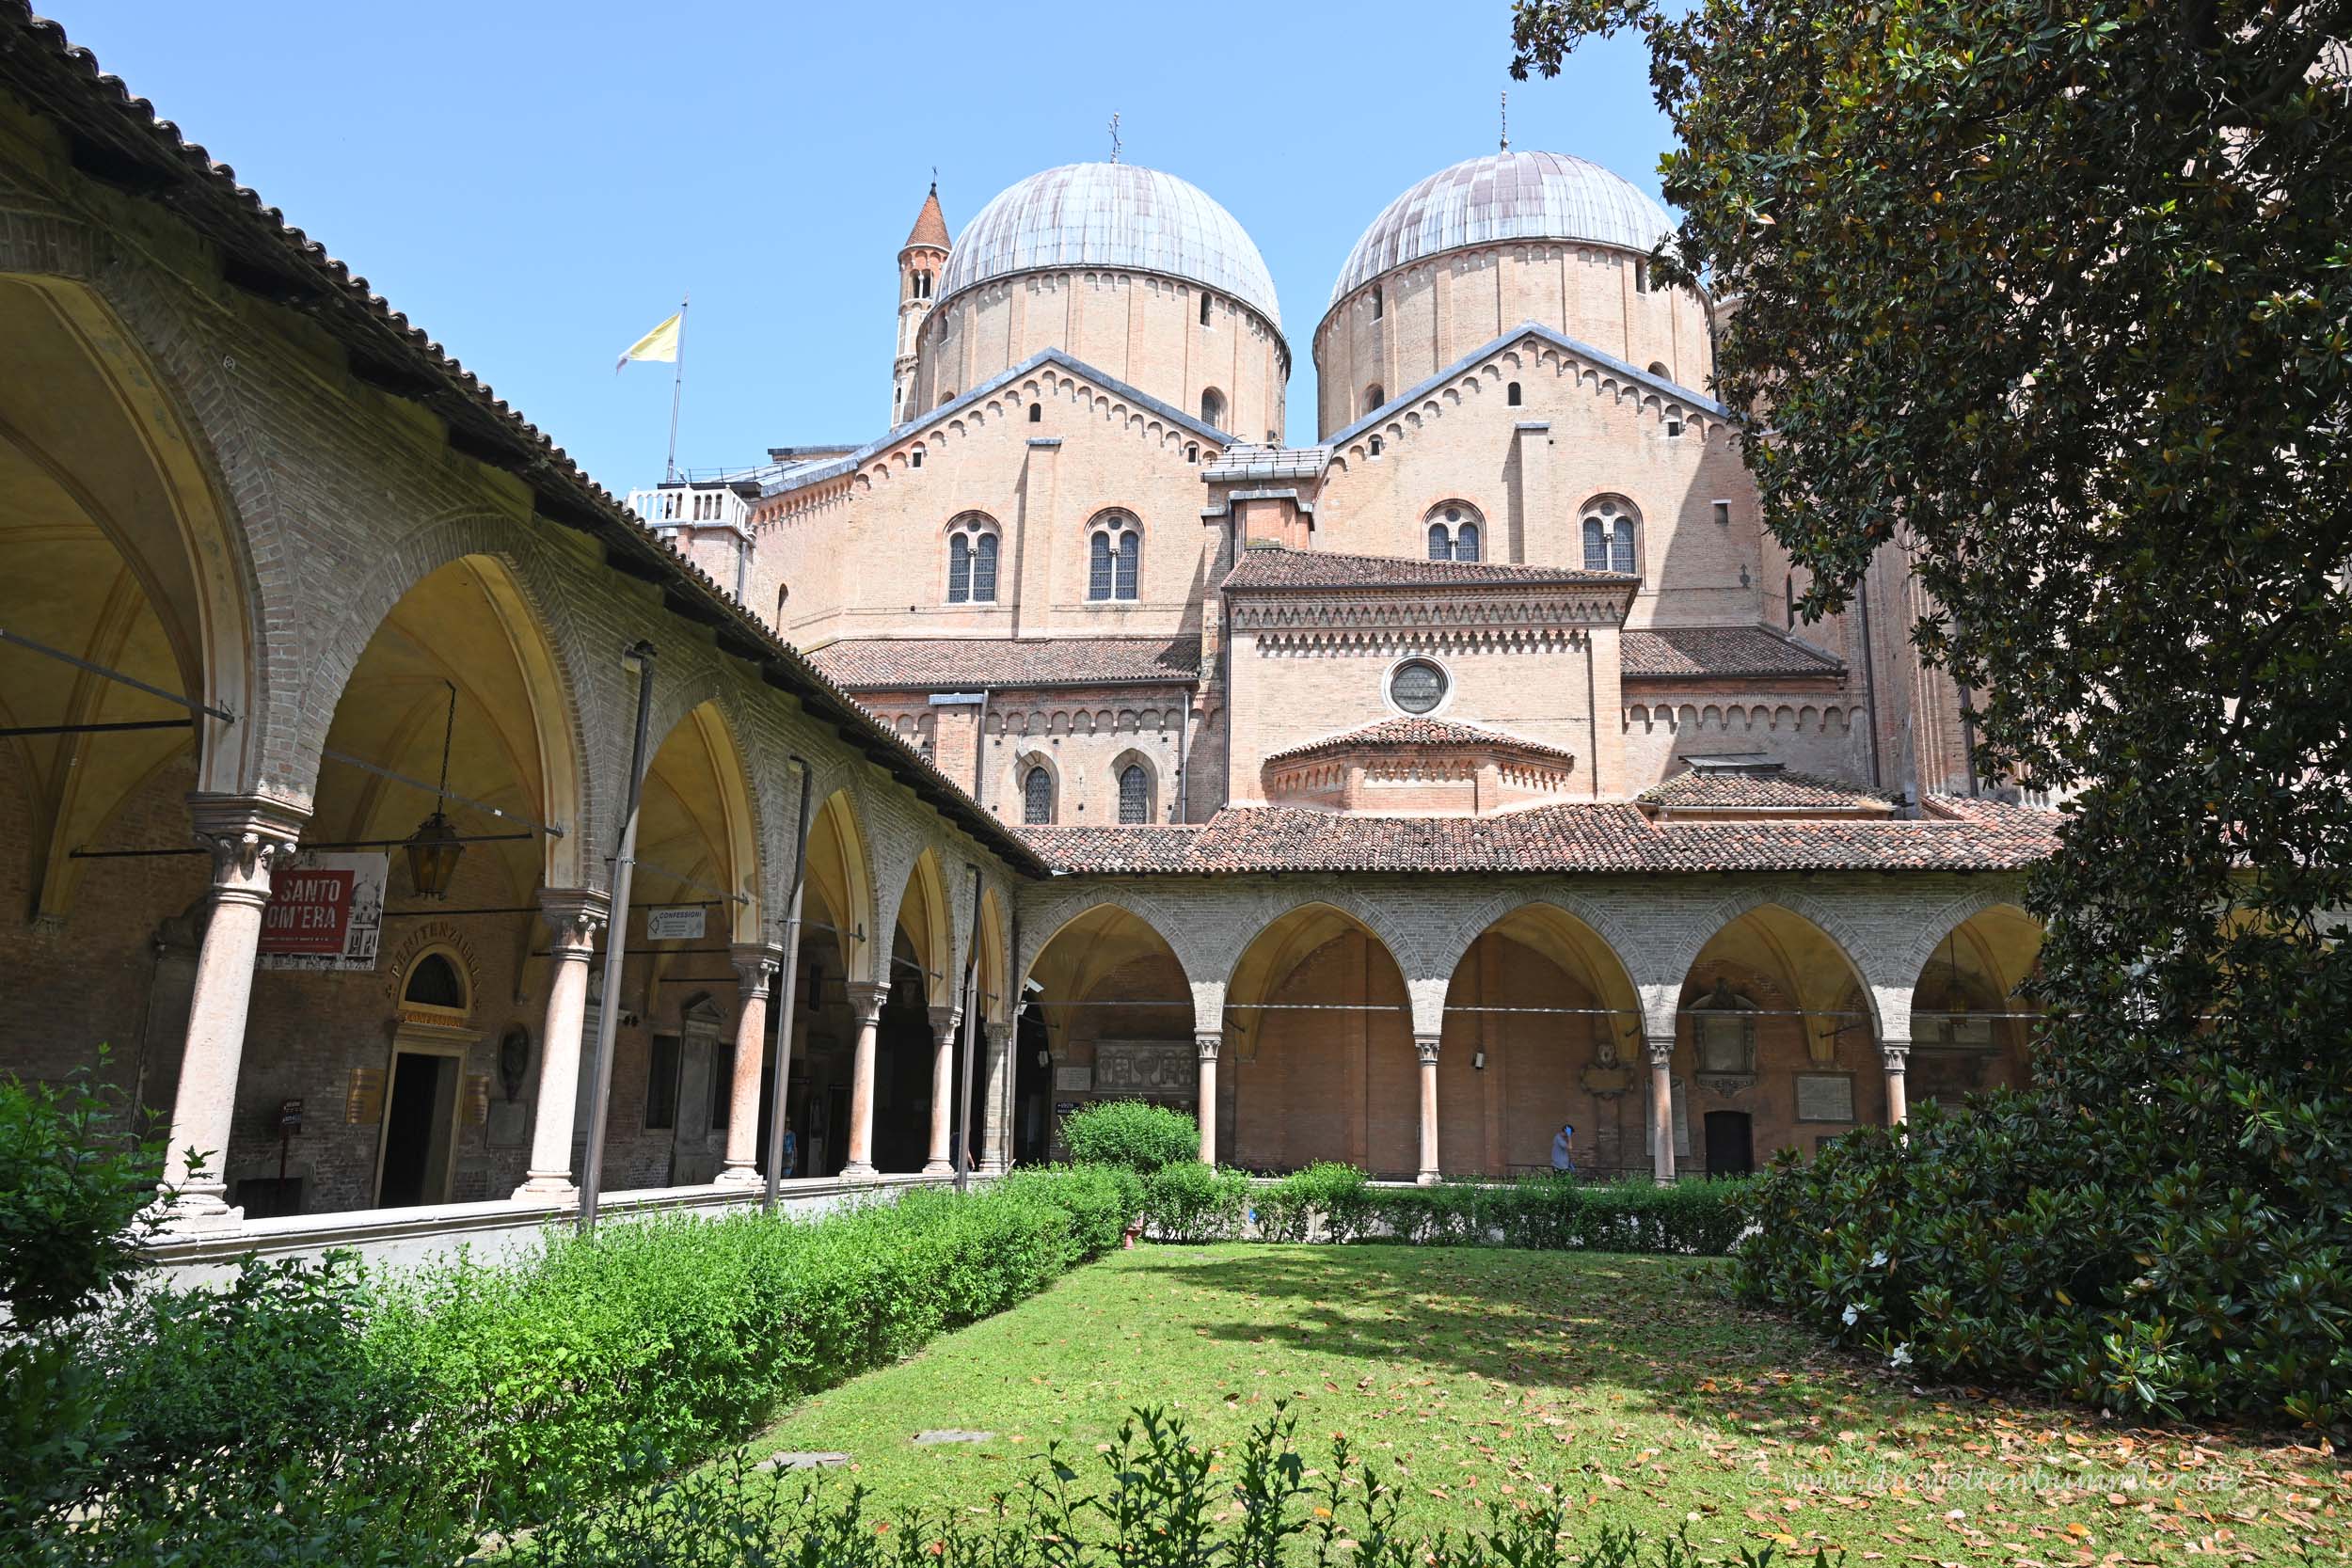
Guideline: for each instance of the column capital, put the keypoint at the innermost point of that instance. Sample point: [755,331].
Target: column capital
[1661,1049]
[1208,1043]
[866,999]
[755,963]
[997,1034]
[1425,1046]
[945,1020]
[249,837]
[574,915]
[1895,1059]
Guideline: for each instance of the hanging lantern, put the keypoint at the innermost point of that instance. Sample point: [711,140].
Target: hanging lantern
[434,848]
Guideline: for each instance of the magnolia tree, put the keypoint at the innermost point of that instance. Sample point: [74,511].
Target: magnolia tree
[2054,300]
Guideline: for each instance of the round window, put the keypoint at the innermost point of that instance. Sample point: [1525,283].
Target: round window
[1417,687]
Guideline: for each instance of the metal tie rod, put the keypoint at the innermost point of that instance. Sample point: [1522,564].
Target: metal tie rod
[659,870]
[19,639]
[364,766]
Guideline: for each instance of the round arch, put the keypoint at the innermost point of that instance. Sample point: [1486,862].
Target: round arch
[1319,1043]
[1968,1030]
[840,879]
[1106,997]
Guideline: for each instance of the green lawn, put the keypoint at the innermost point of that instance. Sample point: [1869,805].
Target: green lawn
[1473,1375]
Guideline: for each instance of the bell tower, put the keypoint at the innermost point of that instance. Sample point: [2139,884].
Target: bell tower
[921,262]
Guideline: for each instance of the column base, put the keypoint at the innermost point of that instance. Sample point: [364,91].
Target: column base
[939,1168]
[202,1212]
[1428,1178]
[860,1172]
[739,1175]
[539,1186]
[989,1167]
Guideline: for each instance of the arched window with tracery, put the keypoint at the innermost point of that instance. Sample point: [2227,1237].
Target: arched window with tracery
[1134,794]
[972,547]
[1037,796]
[1456,532]
[1114,559]
[1609,530]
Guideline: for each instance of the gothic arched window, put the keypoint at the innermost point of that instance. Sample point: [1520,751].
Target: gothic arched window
[1037,796]
[1134,794]
[1114,557]
[1610,526]
[1454,533]
[971,560]
[1374,397]
[1213,408]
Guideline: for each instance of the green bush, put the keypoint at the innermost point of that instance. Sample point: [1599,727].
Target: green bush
[1192,1203]
[1130,1133]
[1327,1201]
[77,1196]
[2081,1250]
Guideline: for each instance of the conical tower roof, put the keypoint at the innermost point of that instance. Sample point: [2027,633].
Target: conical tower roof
[931,225]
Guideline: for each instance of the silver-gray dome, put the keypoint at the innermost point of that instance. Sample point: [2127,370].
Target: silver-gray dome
[1111,215]
[1504,195]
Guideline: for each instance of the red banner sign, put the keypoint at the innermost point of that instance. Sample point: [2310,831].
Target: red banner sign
[310,911]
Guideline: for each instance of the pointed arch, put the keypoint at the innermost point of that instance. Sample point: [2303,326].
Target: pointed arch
[841,882]
[923,917]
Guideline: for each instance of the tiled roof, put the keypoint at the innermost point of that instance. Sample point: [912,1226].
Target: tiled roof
[1267,565]
[119,138]
[1569,838]
[909,663]
[1414,731]
[1687,652]
[1704,789]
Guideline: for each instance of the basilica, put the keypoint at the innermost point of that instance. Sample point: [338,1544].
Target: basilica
[1396,798]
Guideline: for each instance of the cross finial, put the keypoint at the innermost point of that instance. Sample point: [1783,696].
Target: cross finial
[1506,122]
[1114,136]
[934,179]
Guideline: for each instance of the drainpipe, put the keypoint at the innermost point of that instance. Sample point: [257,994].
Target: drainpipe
[1184,759]
[1968,738]
[1869,677]
[617,944]
[971,1036]
[791,978]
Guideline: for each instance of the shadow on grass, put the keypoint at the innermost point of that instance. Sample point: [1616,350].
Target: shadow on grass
[1659,1334]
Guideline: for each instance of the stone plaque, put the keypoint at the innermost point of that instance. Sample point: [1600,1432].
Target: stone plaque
[1070,1080]
[1825,1097]
[509,1124]
[1146,1068]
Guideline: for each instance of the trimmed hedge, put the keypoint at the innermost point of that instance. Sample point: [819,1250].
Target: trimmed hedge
[1131,1134]
[481,1396]
[1331,1202]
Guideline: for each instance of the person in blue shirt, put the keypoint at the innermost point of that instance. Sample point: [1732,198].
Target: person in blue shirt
[1564,1149]
[791,1152]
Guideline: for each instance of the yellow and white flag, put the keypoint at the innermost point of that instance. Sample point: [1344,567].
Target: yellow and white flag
[660,343]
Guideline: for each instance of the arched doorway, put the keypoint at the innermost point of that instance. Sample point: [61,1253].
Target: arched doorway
[1543,1030]
[1112,1019]
[1320,1042]
[837,905]
[1775,1046]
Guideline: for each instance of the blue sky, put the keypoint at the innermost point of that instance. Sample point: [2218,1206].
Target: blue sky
[535,184]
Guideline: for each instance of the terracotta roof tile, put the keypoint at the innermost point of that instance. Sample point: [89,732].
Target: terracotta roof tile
[1570,838]
[931,225]
[1277,566]
[965,663]
[1693,652]
[1704,789]
[1409,730]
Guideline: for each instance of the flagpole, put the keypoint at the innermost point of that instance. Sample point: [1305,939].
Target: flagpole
[678,386]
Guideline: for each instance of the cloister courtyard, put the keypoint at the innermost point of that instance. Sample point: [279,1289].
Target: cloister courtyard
[1469,1377]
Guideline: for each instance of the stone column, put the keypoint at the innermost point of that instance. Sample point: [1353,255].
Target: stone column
[1207,1042]
[865,1000]
[573,915]
[996,1109]
[1897,1061]
[756,964]
[1661,1108]
[1427,1047]
[944,1021]
[249,836]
